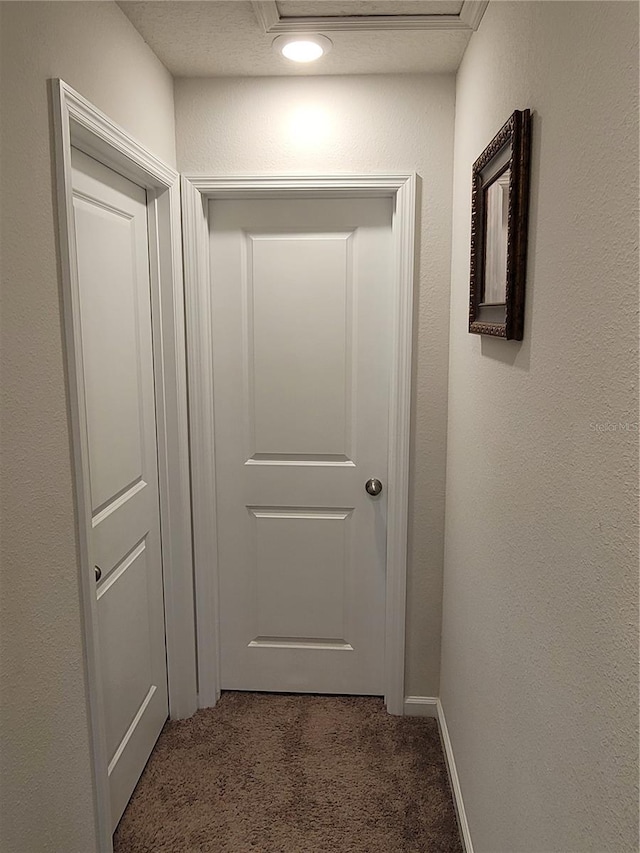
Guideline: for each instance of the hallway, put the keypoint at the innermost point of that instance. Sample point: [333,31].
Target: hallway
[283,773]
[518,621]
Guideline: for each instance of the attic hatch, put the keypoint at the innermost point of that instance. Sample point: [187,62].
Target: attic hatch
[282,16]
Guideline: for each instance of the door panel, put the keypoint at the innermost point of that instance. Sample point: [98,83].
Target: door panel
[126,661]
[106,242]
[115,315]
[301,561]
[301,308]
[300,365]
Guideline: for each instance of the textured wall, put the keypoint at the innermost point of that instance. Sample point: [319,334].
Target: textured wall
[45,796]
[539,665]
[359,124]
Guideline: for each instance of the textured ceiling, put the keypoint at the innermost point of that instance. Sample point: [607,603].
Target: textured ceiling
[209,39]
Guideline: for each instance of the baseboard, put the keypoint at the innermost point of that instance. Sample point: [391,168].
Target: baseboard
[428,706]
[455,782]
[421,706]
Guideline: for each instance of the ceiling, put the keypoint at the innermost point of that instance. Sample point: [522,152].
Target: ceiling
[233,37]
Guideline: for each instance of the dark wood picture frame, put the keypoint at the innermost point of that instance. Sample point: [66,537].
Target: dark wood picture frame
[503,170]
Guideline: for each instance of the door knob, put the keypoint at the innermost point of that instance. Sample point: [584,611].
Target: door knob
[373,486]
[98,572]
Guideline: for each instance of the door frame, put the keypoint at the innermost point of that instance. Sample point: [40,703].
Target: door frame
[197,191]
[76,122]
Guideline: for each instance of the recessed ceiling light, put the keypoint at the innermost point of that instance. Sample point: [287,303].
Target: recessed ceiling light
[302,48]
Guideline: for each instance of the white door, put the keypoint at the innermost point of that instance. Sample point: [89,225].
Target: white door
[117,381]
[302,312]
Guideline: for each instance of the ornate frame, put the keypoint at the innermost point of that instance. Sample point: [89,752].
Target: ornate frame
[509,150]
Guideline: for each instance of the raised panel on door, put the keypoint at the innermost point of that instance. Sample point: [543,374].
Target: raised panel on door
[299,345]
[301,420]
[126,660]
[106,242]
[118,389]
[301,565]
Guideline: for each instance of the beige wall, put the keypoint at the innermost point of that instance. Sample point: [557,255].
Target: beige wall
[359,124]
[45,798]
[539,664]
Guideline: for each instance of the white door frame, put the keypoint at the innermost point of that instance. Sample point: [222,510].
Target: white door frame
[196,193]
[77,122]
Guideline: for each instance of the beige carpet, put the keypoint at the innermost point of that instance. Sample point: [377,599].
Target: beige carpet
[274,773]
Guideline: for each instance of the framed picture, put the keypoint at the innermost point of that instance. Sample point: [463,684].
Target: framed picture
[499,224]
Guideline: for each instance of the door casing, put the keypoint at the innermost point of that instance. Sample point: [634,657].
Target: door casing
[77,122]
[197,191]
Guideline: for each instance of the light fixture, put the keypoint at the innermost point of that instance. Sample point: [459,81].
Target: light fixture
[302,48]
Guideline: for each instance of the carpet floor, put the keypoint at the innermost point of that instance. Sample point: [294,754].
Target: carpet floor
[281,773]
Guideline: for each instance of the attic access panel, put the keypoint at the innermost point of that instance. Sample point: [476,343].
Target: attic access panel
[290,16]
[369,8]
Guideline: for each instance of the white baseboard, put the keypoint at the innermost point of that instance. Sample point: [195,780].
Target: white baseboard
[455,782]
[421,706]
[428,706]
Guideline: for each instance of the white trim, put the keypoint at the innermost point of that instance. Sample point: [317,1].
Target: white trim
[99,137]
[430,706]
[399,450]
[200,373]
[269,18]
[421,706]
[472,12]
[458,802]
[77,122]
[266,12]
[197,190]
[170,370]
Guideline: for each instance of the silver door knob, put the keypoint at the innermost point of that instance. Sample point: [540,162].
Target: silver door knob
[373,486]
[98,572]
